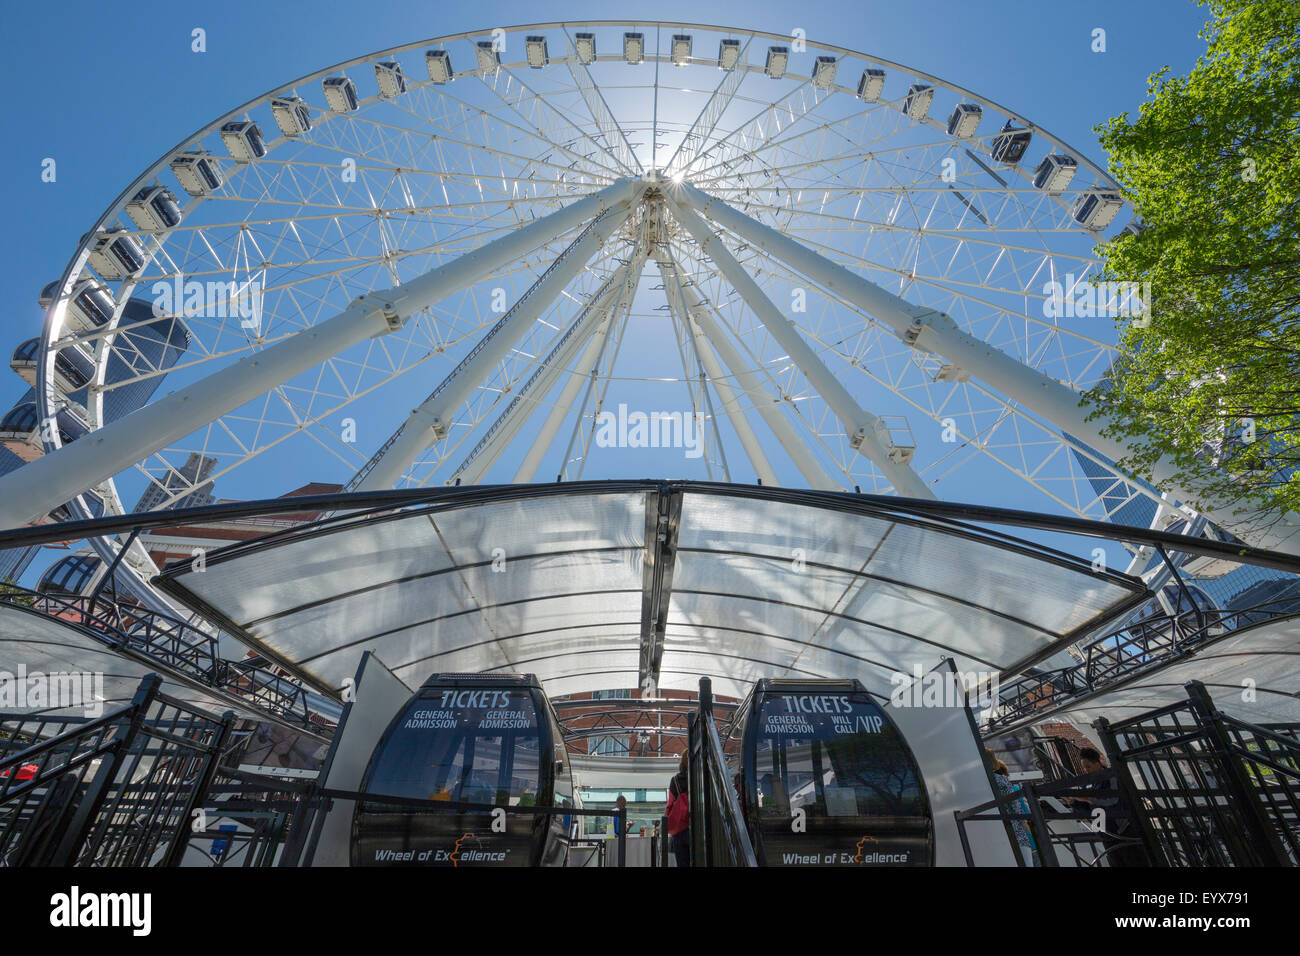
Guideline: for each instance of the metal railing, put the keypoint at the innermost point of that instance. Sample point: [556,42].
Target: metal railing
[181,648]
[1215,790]
[719,836]
[1188,786]
[118,790]
[1051,821]
[1129,650]
[253,820]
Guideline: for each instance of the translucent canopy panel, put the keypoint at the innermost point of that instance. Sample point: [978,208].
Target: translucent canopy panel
[599,586]
[96,677]
[1252,674]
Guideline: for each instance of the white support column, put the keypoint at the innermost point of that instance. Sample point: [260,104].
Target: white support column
[569,393]
[429,422]
[752,385]
[539,385]
[30,492]
[675,291]
[931,331]
[866,432]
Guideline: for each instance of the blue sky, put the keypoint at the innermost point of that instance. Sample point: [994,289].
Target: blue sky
[119,85]
[106,88]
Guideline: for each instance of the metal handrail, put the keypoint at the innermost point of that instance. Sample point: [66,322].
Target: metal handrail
[717,824]
[1143,644]
[174,644]
[735,834]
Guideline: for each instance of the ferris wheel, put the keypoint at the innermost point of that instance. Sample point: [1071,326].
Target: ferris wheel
[426,266]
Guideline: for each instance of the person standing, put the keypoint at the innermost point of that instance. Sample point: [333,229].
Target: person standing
[1002,780]
[679,814]
[1122,845]
[621,804]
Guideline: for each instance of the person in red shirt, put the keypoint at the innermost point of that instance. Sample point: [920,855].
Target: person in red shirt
[679,814]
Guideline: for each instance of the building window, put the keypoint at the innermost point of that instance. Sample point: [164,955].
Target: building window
[608,746]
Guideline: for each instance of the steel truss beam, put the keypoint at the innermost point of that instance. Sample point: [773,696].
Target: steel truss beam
[934,332]
[483,455]
[866,432]
[767,405]
[674,290]
[430,422]
[663,518]
[30,492]
[583,372]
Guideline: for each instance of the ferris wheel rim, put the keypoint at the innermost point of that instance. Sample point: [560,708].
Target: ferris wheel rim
[78,263]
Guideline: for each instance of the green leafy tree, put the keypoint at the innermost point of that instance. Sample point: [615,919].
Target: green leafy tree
[1210,377]
[13,593]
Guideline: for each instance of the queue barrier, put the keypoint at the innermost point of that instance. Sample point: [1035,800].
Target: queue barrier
[1188,786]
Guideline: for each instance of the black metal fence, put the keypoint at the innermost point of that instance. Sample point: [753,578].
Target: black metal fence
[718,833]
[1215,790]
[1187,786]
[116,790]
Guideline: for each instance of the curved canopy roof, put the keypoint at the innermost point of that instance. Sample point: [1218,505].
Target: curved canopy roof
[603,585]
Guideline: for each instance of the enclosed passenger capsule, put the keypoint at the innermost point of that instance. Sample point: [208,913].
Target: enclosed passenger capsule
[153,209]
[1096,210]
[47,294]
[197,172]
[24,360]
[73,368]
[824,754]
[20,430]
[778,58]
[115,255]
[292,115]
[490,740]
[964,120]
[90,306]
[340,93]
[824,70]
[1010,144]
[634,47]
[438,63]
[681,49]
[391,80]
[243,141]
[489,60]
[871,84]
[1055,173]
[728,53]
[917,102]
[535,50]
